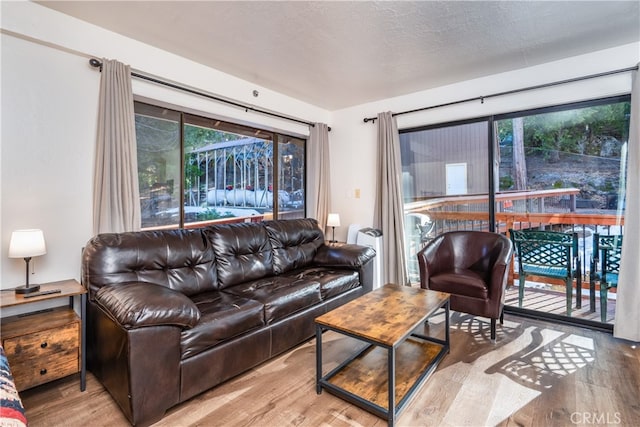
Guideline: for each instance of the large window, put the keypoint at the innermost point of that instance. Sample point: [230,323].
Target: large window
[560,169]
[193,170]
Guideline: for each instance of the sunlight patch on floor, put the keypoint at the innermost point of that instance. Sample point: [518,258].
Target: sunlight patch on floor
[506,378]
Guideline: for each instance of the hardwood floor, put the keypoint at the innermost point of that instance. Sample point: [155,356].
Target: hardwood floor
[535,375]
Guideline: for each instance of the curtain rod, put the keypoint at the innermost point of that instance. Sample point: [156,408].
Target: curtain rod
[509,92]
[98,64]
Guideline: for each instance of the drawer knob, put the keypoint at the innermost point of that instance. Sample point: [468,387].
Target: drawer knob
[43,345]
[43,371]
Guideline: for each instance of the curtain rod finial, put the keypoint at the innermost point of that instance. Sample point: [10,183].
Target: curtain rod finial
[95,63]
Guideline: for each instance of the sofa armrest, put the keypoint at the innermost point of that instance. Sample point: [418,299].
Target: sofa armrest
[350,256]
[138,304]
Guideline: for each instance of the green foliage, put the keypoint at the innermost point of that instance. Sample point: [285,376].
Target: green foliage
[571,131]
[504,130]
[158,150]
[191,171]
[506,183]
[558,184]
[608,187]
[197,137]
[210,214]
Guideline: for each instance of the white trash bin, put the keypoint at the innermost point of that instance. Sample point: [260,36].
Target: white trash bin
[372,238]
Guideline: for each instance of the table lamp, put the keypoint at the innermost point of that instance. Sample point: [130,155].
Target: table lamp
[333,221]
[26,244]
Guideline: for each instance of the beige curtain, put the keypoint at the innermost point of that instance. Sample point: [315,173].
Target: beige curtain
[318,170]
[627,322]
[389,207]
[116,200]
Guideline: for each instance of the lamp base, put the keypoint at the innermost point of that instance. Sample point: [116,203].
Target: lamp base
[27,290]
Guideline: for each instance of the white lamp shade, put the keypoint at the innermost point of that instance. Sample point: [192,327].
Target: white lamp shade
[333,220]
[27,243]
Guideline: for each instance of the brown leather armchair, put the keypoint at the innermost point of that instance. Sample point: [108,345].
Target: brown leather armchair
[473,267]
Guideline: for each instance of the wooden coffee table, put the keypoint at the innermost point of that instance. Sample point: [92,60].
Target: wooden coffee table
[386,319]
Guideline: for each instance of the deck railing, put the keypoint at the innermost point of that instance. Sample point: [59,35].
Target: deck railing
[554,209]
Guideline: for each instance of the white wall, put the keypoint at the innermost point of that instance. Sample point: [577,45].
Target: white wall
[48,125]
[48,115]
[353,142]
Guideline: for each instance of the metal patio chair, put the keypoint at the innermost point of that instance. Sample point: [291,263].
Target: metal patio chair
[605,267]
[548,254]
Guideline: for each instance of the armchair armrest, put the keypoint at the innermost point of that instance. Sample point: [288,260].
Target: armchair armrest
[500,268]
[432,260]
[349,255]
[139,304]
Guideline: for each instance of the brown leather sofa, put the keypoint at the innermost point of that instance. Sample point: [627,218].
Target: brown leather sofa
[173,313]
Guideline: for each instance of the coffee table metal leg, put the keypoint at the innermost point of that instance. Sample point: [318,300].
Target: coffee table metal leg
[318,358]
[392,386]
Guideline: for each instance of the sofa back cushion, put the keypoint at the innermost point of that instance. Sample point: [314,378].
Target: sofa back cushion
[182,260]
[294,241]
[243,252]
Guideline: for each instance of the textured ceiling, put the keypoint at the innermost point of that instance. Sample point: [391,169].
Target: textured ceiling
[337,54]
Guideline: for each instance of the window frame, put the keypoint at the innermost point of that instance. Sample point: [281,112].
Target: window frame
[187,117]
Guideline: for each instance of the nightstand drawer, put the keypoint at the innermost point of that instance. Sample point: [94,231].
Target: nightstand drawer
[43,356]
[43,343]
[42,370]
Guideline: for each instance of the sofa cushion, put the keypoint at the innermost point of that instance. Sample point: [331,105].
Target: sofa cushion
[243,252]
[294,243]
[281,296]
[181,260]
[332,281]
[222,316]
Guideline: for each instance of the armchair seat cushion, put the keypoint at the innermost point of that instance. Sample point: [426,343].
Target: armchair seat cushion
[460,282]
[280,295]
[223,316]
[332,281]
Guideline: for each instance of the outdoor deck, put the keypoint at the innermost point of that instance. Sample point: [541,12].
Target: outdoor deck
[549,300]
[552,209]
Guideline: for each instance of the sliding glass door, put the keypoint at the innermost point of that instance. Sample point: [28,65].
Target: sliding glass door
[563,169]
[445,182]
[557,169]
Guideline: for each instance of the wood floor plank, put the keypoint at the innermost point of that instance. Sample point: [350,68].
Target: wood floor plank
[536,374]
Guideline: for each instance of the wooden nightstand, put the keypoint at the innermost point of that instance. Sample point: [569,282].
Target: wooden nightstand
[49,344]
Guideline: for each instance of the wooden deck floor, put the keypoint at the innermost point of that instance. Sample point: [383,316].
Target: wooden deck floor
[551,299]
